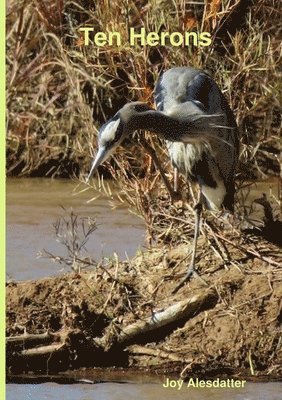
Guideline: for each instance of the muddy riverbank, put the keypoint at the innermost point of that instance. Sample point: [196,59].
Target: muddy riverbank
[227,322]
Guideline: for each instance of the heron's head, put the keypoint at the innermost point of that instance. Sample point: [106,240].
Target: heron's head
[115,130]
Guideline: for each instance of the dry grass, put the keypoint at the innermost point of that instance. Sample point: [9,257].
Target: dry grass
[59,91]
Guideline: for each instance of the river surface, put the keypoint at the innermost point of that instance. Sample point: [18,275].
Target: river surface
[140,391]
[33,205]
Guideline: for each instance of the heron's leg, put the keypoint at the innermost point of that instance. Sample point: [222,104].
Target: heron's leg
[175,179]
[198,212]
[191,269]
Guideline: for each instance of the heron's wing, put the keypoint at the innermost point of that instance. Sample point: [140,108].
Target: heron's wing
[183,92]
[175,87]
[192,88]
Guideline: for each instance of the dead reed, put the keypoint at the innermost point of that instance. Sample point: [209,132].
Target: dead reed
[60,91]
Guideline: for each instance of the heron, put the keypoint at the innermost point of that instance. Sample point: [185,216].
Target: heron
[201,134]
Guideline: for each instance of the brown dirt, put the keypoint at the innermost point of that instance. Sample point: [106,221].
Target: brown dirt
[238,333]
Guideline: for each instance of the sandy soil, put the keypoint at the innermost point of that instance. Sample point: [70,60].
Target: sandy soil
[235,330]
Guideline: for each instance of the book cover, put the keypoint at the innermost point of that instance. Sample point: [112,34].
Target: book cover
[143,199]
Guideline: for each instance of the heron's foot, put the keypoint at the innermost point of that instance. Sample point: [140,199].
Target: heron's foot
[190,272]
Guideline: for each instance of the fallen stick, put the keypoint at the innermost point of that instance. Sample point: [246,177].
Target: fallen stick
[31,339]
[141,350]
[43,350]
[176,312]
[250,251]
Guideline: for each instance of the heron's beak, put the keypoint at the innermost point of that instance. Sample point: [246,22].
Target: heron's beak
[100,157]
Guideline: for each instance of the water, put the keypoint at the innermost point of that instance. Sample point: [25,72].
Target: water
[33,205]
[139,391]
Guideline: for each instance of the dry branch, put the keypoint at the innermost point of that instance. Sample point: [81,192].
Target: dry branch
[43,350]
[250,251]
[174,313]
[141,350]
[31,339]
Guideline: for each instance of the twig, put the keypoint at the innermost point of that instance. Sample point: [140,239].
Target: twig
[178,311]
[43,350]
[31,338]
[142,350]
[249,251]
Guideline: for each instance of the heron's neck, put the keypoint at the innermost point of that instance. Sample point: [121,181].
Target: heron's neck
[187,130]
[155,121]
